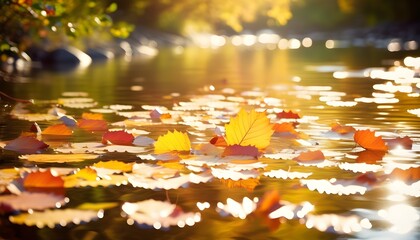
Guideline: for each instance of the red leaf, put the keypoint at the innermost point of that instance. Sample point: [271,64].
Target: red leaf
[93,125]
[288,114]
[237,150]
[310,156]
[369,156]
[404,142]
[26,145]
[367,178]
[43,180]
[118,137]
[338,128]
[409,175]
[218,141]
[367,140]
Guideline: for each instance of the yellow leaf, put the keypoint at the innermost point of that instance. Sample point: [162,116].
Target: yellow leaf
[173,141]
[87,174]
[97,206]
[115,165]
[249,129]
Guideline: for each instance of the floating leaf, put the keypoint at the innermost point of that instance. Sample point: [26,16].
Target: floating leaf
[57,130]
[93,125]
[59,158]
[368,178]
[367,140]
[159,214]
[28,200]
[97,205]
[310,156]
[173,141]
[26,145]
[408,175]
[218,141]
[400,142]
[235,150]
[248,184]
[369,156]
[338,128]
[92,116]
[118,138]
[285,127]
[249,129]
[115,165]
[43,179]
[52,218]
[234,175]
[288,114]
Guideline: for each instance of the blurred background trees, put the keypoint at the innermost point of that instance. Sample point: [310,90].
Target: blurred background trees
[25,22]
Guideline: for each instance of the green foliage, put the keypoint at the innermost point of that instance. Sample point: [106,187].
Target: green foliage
[25,22]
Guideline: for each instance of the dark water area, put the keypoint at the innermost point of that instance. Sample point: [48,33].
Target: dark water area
[323,85]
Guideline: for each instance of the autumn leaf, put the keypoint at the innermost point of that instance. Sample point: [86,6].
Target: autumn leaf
[57,130]
[367,178]
[118,137]
[367,140]
[285,127]
[408,175]
[400,142]
[43,180]
[369,156]
[310,156]
[173,141]
[92,116]
[218,141]
[288,114]
[249,129]
[115,165]
[235,150]
[248,184]
[25,145]
[269,203]
[341,129]
[93,125]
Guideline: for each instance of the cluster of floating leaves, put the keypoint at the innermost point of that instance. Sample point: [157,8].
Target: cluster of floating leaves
[222,138]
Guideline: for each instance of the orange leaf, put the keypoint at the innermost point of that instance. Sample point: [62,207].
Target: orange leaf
[248,184]
[43,180]
[284,127]
[25,145]
[92,116]
[369,156]
[57,130]
[310,156]
[218,141]
[93,125]
[404,142]
[236,150]
[268,203]
[288,114]
[118,137]
[338,128]
[367,140]
[409,175]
